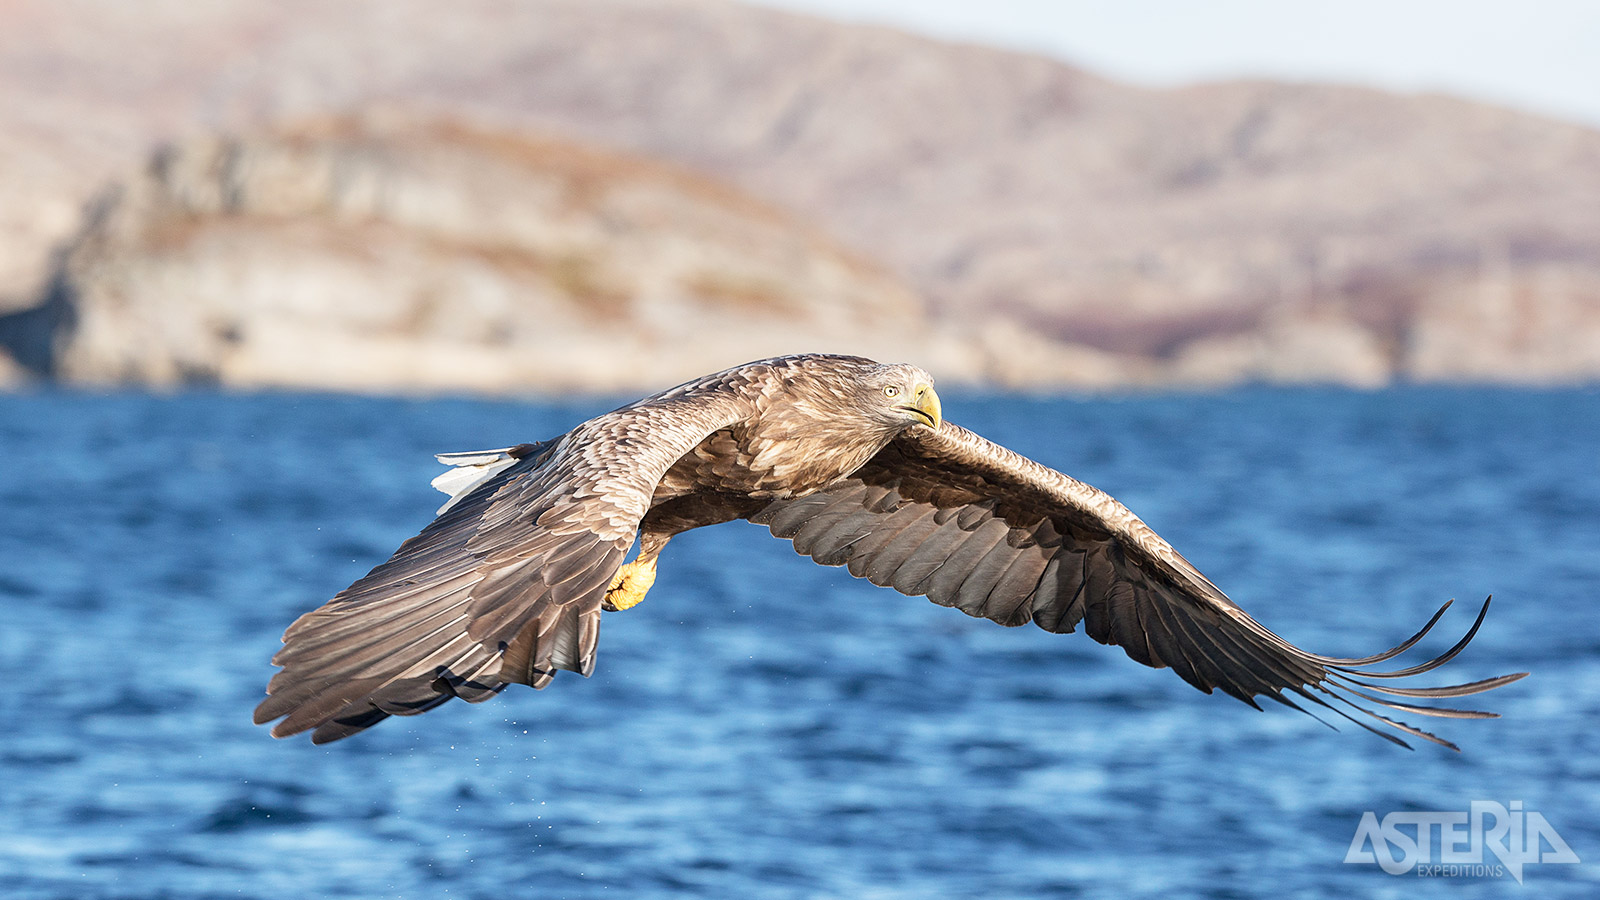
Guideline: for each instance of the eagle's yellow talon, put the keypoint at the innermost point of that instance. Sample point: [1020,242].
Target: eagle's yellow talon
[630,584]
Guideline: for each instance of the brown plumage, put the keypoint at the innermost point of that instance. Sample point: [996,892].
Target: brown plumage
[847,458]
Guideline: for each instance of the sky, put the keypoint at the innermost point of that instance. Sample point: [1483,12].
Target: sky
[1537,55]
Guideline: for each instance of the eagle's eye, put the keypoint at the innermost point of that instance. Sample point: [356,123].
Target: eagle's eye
[891,391]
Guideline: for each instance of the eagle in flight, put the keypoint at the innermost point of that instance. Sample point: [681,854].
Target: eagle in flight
[848,458]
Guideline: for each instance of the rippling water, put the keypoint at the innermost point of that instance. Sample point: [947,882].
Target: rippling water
[762,726]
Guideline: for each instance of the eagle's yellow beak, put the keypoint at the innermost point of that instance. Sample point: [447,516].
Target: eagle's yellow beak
[926,404]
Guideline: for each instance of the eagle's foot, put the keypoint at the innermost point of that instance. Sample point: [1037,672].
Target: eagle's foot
[630,584]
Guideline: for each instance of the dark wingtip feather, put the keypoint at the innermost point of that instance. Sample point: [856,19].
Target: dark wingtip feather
[1449,690]
[1342,682]
[1433,663]
[1392,652]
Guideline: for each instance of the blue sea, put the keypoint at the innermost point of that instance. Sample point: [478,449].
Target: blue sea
[764,727]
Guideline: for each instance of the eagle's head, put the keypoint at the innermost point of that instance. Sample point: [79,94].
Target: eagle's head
[853,398]
[900,396]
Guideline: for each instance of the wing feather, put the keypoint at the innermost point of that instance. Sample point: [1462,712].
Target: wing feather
[504,586]
[973,525]
[882,565]
[1011,593]
[943,585]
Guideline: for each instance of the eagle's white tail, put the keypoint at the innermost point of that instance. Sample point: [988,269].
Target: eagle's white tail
[469,470]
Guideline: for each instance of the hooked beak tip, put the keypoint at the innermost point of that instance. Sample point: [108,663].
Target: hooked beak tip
[927,405]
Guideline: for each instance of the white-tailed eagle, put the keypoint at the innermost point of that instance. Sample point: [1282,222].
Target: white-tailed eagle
[852,461]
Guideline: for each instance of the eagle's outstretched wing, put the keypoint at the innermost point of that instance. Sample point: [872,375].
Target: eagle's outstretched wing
[504,586]
[970,524]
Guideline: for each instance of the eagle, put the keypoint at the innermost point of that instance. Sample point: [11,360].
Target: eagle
[853,462]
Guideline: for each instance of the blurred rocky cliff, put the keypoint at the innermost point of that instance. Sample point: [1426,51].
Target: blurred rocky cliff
[1059,228]
[427,257]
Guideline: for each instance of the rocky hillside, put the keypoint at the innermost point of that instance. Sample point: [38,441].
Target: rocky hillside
[1114,234]
[429,257]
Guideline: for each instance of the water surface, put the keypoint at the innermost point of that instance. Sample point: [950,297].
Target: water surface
[762,726]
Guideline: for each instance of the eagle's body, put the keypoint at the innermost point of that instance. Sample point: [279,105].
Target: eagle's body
[848,458]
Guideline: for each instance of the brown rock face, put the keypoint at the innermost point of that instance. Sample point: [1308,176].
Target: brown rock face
[1094,233]
[416,257]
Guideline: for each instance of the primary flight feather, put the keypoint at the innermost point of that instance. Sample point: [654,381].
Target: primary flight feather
[852,461]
